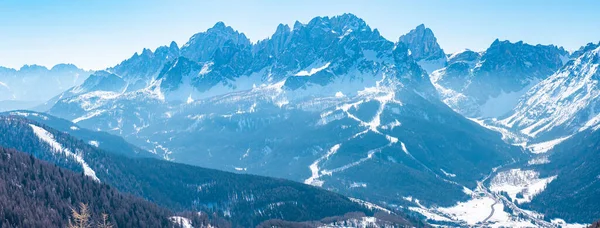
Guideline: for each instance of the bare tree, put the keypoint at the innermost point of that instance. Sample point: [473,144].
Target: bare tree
[81,218]
[105,223]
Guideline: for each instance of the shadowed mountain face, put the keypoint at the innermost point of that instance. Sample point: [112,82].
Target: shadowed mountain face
[489,84]
[577,180]
[330,103]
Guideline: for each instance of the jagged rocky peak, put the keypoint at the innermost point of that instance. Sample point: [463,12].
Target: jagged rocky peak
[422,44]
[563,103]
[174,45]
[172,76]
[336,26]
[276,43]
[522,60]
[282,29]
[167,52]
[337,42]
[343,23]
[588,47]
[140,69]
[146,52]
[202,46]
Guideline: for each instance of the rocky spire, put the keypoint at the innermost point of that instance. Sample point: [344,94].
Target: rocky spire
[422,44]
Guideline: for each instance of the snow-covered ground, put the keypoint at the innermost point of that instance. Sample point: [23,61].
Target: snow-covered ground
[564,224]
[487,208]
[544,147]
[472,212]
[481,211]
[525,183]
[181,221]
[504,102]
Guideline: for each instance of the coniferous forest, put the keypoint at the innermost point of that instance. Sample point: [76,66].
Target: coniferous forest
[34,193]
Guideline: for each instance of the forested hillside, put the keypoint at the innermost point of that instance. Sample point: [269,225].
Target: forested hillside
[34,193]
[246,199]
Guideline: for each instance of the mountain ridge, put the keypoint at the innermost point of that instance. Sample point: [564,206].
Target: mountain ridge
[333,104]
[330,74]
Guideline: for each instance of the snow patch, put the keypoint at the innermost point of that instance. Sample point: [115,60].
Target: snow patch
[314,167]
[240,169]
[4,85]
[539,161]
[206,68]
[447,173]
[564,224]
[94,143]
[392,125]
[189,99]
[181,221]
[313,70]
[543,147]
[88,115]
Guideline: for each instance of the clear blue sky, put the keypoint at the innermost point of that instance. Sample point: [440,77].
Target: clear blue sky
[95,34]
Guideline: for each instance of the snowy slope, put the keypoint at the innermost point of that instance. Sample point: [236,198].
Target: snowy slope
[563,104]
[48,138]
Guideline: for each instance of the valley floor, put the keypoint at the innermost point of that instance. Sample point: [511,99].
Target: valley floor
[486,208]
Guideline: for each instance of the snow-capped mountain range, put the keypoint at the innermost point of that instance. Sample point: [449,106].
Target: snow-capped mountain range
[490,83]
[333,104]
[32,85]
[329,103]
